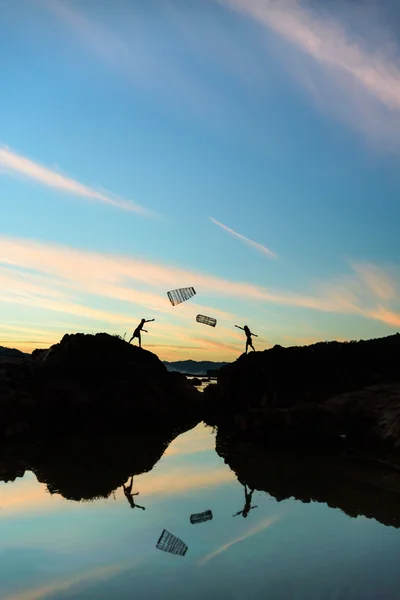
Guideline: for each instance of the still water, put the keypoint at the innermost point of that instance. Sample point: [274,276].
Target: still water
[57,549]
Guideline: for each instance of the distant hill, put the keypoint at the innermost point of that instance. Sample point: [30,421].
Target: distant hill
[194,367]
[11,353]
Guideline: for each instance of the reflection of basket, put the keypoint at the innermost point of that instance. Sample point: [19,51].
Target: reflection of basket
[178,296]
[206,320]
[201,517]
[169,543]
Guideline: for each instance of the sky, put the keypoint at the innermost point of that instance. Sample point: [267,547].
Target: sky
[248,148]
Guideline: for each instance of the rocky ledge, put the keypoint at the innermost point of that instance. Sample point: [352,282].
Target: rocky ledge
[90,382]
[338,395]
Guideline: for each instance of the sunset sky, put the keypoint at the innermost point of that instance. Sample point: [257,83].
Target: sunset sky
[248,148]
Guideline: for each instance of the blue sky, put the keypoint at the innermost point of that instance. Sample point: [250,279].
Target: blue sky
[123,129]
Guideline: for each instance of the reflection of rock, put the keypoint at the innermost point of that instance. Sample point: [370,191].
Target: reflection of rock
[90,467]
[358,487]
[86,380]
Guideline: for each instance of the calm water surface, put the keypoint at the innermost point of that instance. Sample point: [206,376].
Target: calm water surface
[51,548]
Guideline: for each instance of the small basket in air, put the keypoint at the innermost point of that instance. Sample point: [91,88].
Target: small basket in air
[201,517]
[170,543]
[180,295]
[206,320]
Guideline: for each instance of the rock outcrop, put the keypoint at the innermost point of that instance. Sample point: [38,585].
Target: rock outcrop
[314,395]
[89,381]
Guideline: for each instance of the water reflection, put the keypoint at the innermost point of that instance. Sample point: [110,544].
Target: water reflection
[52,548]
[88,467]
[358,487]
[247,503]
[129,495]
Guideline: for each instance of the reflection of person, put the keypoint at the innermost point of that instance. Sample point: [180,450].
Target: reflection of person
[249,341]
[129,495]
[247,506]
[138,330]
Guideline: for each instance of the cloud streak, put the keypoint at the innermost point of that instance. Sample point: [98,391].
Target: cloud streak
[20,165]
[113,291]
[253,531]
[327,41]
[358,82]
[255,245]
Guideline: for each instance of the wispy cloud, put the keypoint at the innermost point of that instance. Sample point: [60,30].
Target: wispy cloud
[363,77]
[328,42]
[114,291]
[248,534]
[379,282]
[246,240]
[85,579]
[17,164]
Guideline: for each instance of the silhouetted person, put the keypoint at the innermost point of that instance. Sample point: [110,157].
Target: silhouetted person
[138,330]
[129,495]
[247,506]
[249,341]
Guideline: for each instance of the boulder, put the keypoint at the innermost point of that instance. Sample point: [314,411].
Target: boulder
[86,380]
[314,395]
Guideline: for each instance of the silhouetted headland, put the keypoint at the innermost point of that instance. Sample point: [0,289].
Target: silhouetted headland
[328,394]
[87,382]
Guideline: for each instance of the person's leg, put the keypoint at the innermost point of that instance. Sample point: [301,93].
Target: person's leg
[131,339]
[140,340]
[247,346]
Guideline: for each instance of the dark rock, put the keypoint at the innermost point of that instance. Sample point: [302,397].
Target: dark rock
[195,381]
[355,484]
[312,395]
[11,353]
[86,380]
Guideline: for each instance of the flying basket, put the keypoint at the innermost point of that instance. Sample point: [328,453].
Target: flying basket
[201,517]
[169,543]
[180,295]
[206,320]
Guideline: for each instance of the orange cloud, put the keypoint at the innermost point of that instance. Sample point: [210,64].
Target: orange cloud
[27,494]
[181,480]
[199,439]
[52,277]
[386,316]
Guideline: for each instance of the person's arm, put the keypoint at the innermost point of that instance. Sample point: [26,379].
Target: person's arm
[239,327]
[149,320]
[145,330]
[255,335]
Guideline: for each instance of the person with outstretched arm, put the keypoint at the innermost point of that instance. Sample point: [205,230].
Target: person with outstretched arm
[247,506]
[139,329]
[129,496]
[248,333]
